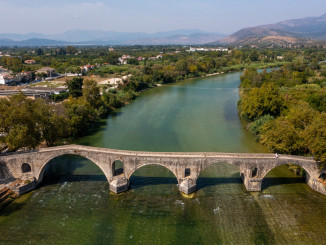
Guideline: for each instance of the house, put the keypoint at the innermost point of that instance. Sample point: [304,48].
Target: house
[6,79]
[126,57]
[46,70]
[24,77]
[160,56]
[30,62]
[87,68]
[123,61]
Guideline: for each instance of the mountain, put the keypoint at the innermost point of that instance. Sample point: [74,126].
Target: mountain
[193,39]
[97,37]
[296,31]
[33,42]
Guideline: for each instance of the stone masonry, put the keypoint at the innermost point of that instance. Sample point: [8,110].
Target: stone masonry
[185,166]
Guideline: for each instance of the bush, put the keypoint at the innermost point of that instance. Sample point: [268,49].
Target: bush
[255,126]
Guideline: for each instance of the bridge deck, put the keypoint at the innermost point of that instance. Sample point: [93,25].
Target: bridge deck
[166,154]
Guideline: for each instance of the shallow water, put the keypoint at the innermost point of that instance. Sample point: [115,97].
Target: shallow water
[74,206]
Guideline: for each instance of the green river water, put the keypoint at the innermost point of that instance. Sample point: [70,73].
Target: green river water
[74,205]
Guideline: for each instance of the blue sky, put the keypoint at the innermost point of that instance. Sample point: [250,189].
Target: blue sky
[227,16]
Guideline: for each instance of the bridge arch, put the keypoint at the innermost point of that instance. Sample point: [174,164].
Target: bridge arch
[40,173]
[117,167]
[218,174]
[152,164]
[309,172]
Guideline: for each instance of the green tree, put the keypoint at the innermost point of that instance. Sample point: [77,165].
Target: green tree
[261,101]
[71,50]
[81,116]
[315,137]
[91,93]
[75,86]
[254,55]
[18,123]
[182,66]
[281,136]
[52,124]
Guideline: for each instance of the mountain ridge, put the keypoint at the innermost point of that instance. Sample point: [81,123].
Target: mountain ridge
[303,30]
[98,37]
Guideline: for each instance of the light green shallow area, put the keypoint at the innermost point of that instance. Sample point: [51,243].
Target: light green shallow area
[74,205]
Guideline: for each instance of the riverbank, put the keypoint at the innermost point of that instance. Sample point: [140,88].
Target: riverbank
[74,203]
[98,123]
[284,109]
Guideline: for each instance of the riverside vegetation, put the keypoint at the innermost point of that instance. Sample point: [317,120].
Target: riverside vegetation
[25,123]
[286,108]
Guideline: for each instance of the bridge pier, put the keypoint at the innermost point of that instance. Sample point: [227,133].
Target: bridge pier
[251,183]
[187,185]
[119,184]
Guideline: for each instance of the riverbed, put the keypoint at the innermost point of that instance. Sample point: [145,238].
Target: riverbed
[74,205]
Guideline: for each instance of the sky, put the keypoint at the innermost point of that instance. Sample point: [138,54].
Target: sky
[224,16]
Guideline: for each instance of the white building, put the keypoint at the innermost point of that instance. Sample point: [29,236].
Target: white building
[5,79]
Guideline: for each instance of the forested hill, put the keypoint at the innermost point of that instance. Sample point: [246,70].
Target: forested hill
[297,31]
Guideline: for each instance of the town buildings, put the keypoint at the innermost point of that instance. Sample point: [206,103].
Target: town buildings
[30,62]
[47,71]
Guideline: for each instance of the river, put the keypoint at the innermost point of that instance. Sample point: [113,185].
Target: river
[74,205]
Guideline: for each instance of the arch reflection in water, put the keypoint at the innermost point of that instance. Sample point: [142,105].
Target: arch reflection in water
[153,177]
[220,178]
[282,175]
[71,168]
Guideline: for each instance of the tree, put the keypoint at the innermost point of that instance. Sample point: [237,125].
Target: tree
[52,124]
[18,123]
[301,115]
[81,116]
[91,93]
[254,55]
[71,50]
[182,66]
[39,51]
[75,86]
[261,101]
[280,136]
[133,61]
[315,137]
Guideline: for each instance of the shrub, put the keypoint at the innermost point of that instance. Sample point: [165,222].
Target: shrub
[256,125]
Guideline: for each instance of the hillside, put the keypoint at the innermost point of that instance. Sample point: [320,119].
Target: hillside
[95,37]
[298,31]
[34,42]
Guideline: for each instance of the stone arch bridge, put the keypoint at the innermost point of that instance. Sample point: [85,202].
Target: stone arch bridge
[186,167]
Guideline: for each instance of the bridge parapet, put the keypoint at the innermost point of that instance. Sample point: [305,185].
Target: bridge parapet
[185,166]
